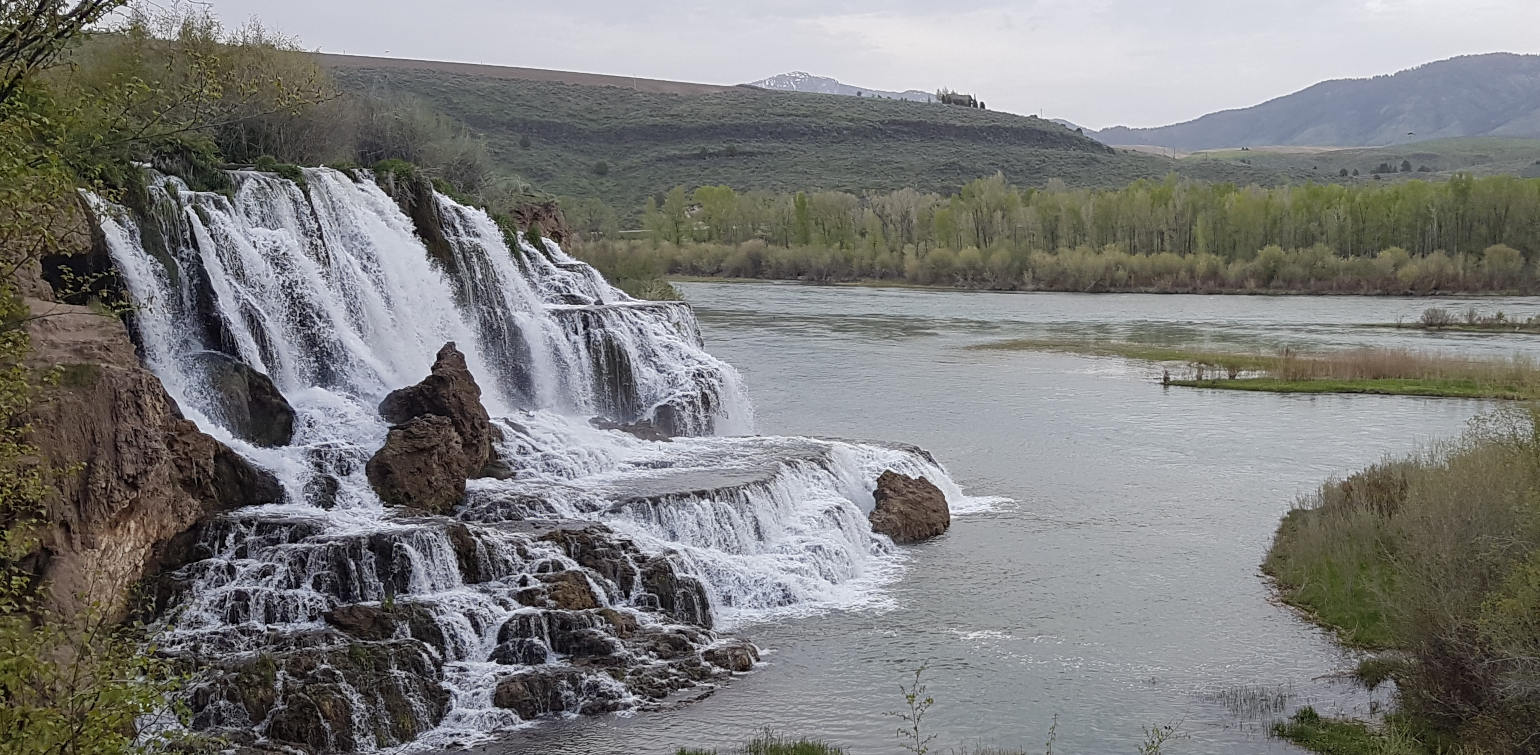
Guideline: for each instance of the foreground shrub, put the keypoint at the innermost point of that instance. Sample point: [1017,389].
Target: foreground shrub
[1437,557]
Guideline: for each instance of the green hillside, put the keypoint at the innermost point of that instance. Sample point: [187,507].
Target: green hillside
[624,144]
[1479,156]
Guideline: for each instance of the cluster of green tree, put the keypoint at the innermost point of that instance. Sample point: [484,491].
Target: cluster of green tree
[1436,560]
[1465,234]
[204,97]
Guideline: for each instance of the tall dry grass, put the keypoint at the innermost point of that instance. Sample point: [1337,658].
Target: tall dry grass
[1405,364]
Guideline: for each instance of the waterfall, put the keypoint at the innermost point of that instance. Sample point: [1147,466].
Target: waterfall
[600,577]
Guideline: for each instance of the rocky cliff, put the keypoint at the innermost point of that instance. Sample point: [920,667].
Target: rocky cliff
[133,475]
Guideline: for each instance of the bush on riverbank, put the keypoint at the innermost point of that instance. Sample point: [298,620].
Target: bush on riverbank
[1475,321]
[1436,557]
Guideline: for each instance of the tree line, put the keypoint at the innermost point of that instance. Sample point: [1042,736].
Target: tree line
[1463,234]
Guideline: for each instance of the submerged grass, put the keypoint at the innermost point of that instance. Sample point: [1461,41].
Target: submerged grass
[770,743]
[1396,372]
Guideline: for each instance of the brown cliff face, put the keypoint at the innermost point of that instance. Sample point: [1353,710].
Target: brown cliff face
[134,474]
[553,225]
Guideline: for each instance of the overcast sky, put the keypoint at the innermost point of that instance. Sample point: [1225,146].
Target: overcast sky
[1095,62]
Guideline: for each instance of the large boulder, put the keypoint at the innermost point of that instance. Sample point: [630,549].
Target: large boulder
[420,465]
[135,477]
[441,436]
[450,391]
[909,509]
[734,655]
[251,406]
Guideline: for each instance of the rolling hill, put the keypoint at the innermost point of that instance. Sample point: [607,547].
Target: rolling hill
[1494,95]
[1433,159]
[623,140]
[801,81]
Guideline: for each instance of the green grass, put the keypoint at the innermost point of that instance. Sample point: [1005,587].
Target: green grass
[1341,592]
[1480,156]
[1380,386]
[1327,735]
[755,139]
[769,743]
[1375,670]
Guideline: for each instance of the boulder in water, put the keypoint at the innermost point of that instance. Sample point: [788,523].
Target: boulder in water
[449,391]
[909,509]
[733,655]
[520,651]
[421,465]
[368,621]
[570,591]
[251,406]
[442,436]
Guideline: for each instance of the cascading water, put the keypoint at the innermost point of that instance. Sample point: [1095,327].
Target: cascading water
[593,580]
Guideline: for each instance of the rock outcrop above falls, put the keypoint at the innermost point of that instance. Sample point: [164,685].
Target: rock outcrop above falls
[909,509]
[135,474]
[441,437]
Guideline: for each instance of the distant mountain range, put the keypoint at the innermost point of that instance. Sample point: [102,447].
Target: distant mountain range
[1475,95]
[801,81]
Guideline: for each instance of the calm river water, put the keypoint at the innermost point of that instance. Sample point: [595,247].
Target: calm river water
[1119,588]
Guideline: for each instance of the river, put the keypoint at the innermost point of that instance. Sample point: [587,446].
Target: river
[1118,588]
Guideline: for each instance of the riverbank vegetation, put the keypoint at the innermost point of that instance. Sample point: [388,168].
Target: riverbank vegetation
[770,743]
[1472,320]
[1461,235]
[1434,560]
[1397,372]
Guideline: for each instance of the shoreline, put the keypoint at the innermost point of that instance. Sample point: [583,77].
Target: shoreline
[883,283]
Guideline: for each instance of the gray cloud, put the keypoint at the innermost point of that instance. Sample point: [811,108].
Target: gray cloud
[1097,62]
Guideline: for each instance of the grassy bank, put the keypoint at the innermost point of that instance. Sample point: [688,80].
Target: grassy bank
[1438,319]
[1436,560]
[1395,372]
